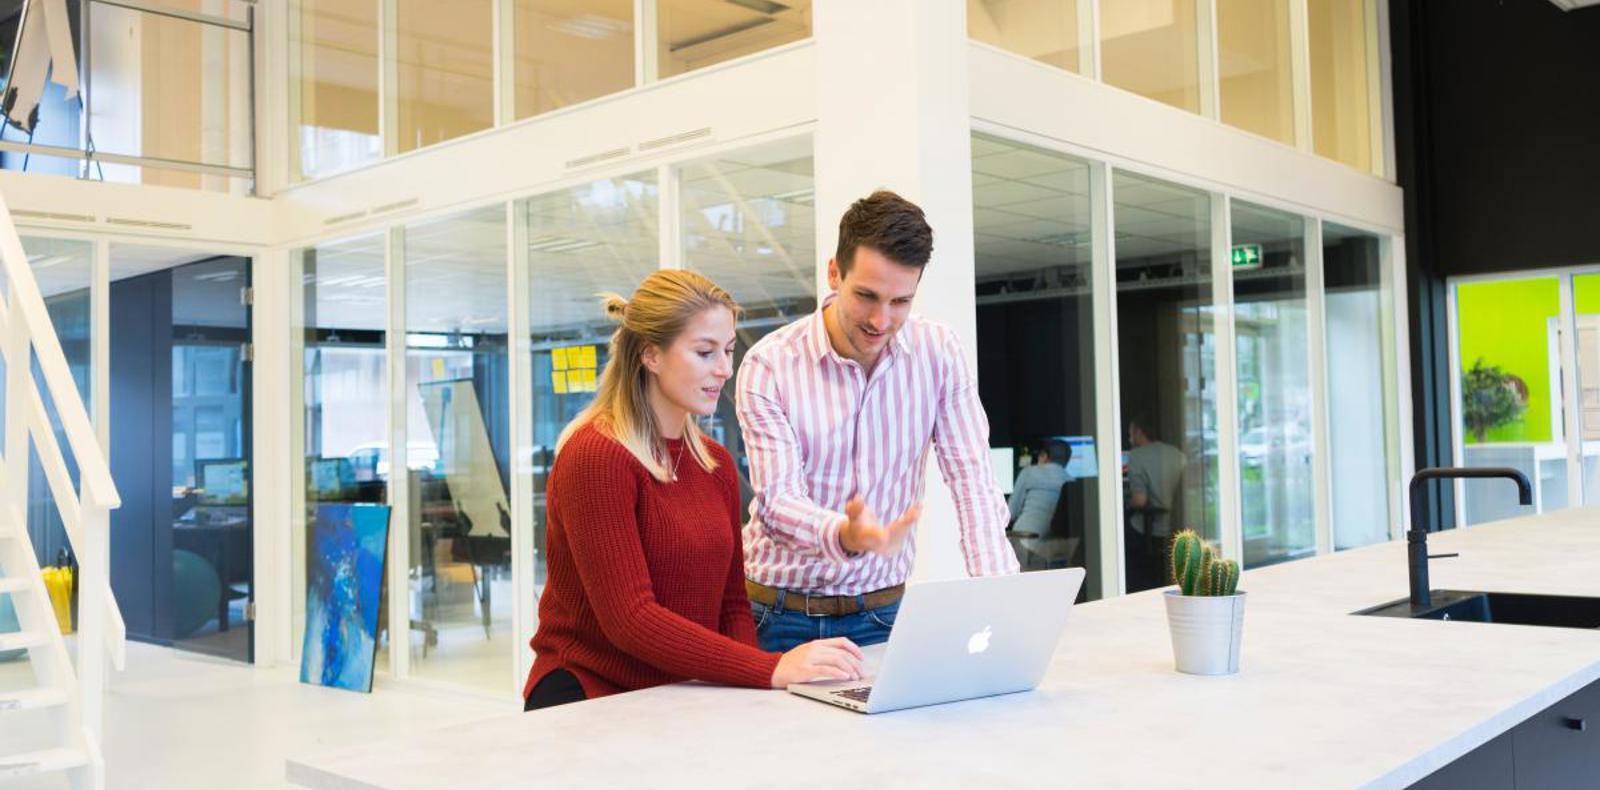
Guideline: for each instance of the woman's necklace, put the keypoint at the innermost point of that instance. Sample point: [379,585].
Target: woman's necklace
[678,460]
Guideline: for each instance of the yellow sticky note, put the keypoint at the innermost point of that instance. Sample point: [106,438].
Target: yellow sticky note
[586,376]
[558,358]
[585,357]
[558,381]
[438,368]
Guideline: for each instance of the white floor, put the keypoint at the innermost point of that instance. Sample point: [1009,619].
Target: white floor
[179,720]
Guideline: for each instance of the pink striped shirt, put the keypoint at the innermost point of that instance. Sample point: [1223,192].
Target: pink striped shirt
[818,430]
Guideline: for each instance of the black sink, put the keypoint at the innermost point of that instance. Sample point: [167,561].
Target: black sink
[1557,611]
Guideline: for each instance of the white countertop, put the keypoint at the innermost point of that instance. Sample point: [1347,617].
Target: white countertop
[1322,699]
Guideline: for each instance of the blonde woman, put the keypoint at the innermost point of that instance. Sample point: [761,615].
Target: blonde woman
[646,566]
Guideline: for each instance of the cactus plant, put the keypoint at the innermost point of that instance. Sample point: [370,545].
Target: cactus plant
[1198,569]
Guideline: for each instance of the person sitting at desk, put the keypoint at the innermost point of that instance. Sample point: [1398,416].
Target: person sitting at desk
[1038,488]
[646,567]
[1036,492]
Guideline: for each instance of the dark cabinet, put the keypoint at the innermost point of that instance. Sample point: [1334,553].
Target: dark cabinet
[1559,748]
[1556,749]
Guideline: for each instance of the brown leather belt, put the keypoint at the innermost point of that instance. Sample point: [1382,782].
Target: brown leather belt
[823,605]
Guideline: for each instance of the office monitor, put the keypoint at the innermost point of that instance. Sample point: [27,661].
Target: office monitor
[1004,461]
[224,482]
[330,477]
[1084,463]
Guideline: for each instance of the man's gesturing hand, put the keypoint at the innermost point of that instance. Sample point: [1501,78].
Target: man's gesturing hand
[863,532]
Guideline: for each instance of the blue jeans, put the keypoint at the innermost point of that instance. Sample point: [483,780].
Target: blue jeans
[781,630]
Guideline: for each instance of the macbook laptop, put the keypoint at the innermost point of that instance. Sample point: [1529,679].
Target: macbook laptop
[962,639]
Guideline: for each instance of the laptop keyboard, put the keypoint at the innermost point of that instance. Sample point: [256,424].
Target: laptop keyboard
[855,694]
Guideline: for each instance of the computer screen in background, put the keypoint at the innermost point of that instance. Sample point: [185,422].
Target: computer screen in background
[1004,461]
[330,476]
[223,483]
[1084,461]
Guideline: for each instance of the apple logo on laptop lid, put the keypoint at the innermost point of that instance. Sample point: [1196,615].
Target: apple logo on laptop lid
[979,641]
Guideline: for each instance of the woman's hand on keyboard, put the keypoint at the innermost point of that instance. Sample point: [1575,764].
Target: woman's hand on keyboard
[824,659]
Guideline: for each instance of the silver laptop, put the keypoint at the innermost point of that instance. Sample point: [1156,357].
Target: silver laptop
[962,639]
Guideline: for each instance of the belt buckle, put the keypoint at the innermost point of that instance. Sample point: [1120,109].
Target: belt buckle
[808,608]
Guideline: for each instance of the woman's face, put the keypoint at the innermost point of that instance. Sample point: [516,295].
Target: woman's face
[689,374]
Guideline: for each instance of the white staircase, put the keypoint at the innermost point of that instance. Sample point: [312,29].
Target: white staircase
[66,699]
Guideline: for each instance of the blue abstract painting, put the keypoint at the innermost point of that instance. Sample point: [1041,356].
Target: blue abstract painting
[344,587]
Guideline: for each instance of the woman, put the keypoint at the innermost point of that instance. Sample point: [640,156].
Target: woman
[646,566]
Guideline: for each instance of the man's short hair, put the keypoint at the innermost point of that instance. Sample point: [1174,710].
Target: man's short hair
[1142,421]
[1058,452]
[888,223]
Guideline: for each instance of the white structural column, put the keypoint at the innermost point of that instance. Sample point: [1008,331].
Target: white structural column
[524,555]
[1391,254]
[1111,579]
[1317,363]
[892,112]
[394,267]
[272,459]
[295,613]
[1572,406]
[1229,506]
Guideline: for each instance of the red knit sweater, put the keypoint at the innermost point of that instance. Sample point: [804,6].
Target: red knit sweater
[646,579]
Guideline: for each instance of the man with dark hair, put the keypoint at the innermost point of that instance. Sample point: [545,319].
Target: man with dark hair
[1154,476]
[839,411]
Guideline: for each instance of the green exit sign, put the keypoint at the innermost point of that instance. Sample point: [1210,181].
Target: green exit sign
[1247,256]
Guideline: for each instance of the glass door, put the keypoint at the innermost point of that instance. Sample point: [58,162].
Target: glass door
[212,535]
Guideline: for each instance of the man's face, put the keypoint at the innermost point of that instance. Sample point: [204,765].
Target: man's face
[874,300]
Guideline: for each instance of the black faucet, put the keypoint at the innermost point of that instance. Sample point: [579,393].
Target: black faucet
[1417,536]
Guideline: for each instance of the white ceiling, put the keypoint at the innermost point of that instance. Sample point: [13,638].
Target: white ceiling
[1031,212]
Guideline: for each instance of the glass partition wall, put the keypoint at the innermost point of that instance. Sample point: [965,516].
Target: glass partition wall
[1167,339]
[1057,294]
[1036,349]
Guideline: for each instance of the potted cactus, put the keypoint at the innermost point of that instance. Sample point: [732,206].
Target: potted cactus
[1206,612]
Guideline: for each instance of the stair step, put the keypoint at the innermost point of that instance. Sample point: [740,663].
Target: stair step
[13,585]
[42,761]
[17,640]
[31,699]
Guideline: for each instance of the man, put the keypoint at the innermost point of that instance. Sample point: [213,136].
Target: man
[1154,476]
[839,411]
[1037,490]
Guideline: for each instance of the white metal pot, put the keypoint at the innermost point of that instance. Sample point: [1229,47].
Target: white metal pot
[1206,632]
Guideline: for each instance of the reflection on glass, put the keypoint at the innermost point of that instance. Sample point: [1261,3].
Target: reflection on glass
[1510,393]
[1034,269]
[567,54]
[1045,30]
[1254,62]
[336,117]
[694,34]
[345,439]
[458,448]
[1151,47]
[1342,46]
[749,224]
[212,567]
[1586,309]
[180,90]
[1166,338]
[1270,322]
[445,78]
[595,238]
[1363,446]
[64,271]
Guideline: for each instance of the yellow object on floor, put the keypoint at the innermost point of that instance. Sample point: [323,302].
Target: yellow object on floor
[59,582]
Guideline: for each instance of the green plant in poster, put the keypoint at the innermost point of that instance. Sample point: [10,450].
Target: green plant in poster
[1490,398]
